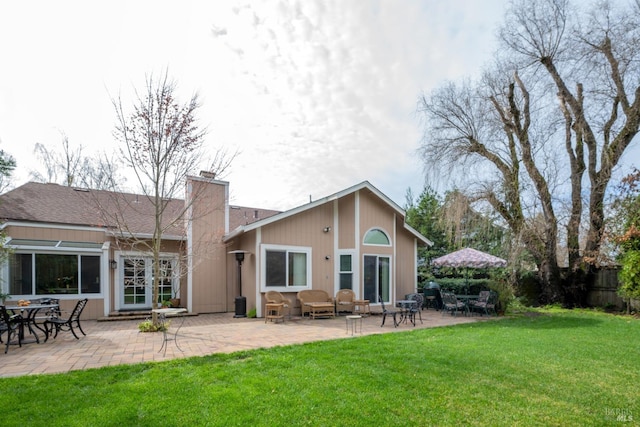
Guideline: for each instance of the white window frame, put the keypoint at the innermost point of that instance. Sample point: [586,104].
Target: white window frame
[56,248]
[353,271]
[263,267]
[377,277]
[148,257]
[383,231]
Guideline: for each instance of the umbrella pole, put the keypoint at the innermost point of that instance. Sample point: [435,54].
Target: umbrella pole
[466,281]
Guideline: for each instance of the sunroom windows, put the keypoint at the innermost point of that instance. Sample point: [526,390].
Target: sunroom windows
[58,274]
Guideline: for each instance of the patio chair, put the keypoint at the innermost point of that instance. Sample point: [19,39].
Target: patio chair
[275,297]
[487,305]
[452,305]
[11,325]
[386,312]
[345,301]
[417,308]
[482,299]
[49,313]
[61,324]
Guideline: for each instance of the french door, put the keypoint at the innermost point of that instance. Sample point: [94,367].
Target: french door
[377,278]
[137,284]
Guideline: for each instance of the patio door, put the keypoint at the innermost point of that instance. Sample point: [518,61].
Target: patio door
[135,292]
[137,284]
[377,278]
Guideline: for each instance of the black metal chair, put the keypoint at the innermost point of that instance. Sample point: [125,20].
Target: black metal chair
[486,303]
[482,299]
[452,305]
[11,325]
[417,308]
[386,312]
[61,324]
[51,312]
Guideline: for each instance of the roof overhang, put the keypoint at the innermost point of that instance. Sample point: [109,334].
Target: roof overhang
[144,236]
[13,223]
[358,187]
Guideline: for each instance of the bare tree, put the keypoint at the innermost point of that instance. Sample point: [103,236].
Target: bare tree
[524,113]
[66,163]
[162,144]
[102,172]
[69,166]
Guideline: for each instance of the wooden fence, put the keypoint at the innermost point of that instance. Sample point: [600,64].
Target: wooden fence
[604,290]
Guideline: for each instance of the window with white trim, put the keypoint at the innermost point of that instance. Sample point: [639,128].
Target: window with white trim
[53,274]
[287,268]
[346,271]
[375,236]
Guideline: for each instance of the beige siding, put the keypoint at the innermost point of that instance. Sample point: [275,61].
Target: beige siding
[375,214]
[210,293]
[306,229]
[43,233]
[249,267]
[346,222]
[405,263]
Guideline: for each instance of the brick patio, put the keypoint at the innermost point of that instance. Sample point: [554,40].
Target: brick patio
[114,343]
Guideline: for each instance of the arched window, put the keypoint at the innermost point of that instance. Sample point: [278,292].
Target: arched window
[375,236]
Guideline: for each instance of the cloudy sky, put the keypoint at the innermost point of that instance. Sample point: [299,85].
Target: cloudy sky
[316,95]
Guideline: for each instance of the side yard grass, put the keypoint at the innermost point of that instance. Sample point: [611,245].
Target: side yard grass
[563,368]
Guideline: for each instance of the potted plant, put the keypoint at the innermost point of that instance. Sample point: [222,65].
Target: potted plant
[4,296]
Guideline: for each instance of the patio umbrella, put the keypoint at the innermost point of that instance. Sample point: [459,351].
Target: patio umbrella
[469,258]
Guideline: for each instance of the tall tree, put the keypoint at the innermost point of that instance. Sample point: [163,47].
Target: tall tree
[162,144]
[562,101]
[423,214]
[451,224]
[7,166]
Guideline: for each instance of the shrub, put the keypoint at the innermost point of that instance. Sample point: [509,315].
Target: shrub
[148,326]
[630,276]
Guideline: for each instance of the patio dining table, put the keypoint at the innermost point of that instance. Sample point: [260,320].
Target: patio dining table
[163,313]
[405,310]
[29,316]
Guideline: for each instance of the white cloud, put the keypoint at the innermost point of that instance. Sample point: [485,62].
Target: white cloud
[317,95]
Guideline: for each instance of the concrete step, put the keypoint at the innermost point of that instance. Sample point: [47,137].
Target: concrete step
[131,315]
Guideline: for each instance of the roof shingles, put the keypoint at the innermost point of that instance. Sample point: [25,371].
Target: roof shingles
[57,204]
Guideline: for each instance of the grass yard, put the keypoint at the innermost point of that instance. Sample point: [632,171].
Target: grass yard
[556,368]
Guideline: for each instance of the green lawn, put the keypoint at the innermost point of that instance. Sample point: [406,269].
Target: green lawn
[560,368]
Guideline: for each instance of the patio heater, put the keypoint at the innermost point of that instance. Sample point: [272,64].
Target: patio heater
[241,302]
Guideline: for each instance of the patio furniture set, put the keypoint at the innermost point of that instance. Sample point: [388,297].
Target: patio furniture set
[43,315]
[315,303]
[484,303]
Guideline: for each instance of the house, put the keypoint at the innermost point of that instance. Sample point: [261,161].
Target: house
[73,242]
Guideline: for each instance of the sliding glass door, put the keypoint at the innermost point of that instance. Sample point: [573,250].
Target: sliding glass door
[377,278]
